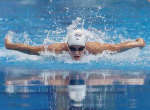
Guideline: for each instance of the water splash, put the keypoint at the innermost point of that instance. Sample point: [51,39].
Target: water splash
[132,56]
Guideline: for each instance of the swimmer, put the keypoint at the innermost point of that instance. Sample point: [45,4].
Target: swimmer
[76,46]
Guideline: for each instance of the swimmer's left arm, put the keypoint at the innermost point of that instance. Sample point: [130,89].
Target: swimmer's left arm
[125,45]
[96,47]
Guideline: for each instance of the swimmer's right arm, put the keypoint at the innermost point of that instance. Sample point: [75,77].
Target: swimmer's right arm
[34,50]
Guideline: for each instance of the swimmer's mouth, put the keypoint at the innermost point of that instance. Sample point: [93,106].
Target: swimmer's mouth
[76,57]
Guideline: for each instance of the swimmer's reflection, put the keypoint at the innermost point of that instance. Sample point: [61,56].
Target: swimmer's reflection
[76,91]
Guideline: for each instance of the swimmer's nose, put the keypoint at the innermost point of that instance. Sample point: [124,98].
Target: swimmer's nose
[77,52]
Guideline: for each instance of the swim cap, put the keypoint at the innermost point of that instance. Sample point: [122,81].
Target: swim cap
[77,37]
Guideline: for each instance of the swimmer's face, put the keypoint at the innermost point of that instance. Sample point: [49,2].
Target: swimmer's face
[76,51]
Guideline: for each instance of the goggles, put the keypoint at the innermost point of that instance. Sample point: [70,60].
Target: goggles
[76,48]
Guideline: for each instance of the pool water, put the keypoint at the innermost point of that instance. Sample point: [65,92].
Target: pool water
[36,90]
[43,22]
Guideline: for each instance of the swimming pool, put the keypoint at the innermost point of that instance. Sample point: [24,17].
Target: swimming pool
[39,22]
[48,90]
[109,21]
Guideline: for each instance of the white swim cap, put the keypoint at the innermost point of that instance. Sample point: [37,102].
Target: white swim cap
[77,37]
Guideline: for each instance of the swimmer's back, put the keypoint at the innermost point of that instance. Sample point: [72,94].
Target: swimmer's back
[94,47]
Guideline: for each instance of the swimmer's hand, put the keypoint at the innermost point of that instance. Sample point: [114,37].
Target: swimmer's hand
[141,42]
[8,41]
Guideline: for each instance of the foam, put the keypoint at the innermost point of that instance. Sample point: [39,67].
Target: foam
[133,56]
[13,56]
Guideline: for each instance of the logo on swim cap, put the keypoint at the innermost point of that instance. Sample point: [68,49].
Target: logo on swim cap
[77,37]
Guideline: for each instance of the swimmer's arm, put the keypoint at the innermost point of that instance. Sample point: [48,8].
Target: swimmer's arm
[125,45]
[98,47]
[34,50]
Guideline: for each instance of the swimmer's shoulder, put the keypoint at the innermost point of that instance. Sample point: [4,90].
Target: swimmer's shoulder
[94,47]
[58,47]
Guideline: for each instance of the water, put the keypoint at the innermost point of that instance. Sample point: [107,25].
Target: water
[51,22]
[42,22]
[34,91]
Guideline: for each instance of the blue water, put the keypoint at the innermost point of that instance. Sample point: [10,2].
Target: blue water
[111,21]
[39,22]
[27,91]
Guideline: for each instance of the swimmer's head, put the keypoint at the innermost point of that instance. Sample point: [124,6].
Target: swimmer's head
[77,37]
[76,43]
